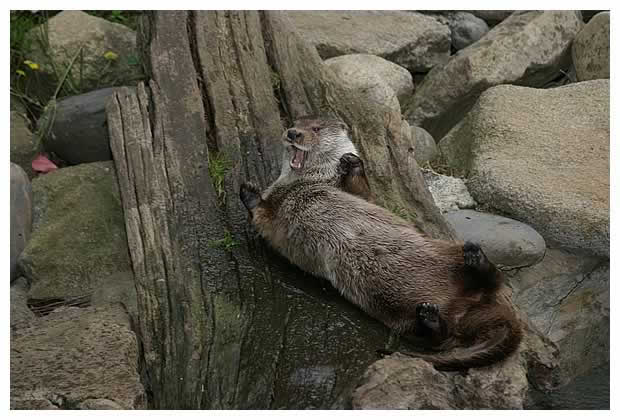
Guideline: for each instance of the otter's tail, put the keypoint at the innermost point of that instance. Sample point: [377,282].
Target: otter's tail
[503,337]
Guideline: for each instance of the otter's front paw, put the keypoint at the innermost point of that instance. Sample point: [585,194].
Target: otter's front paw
[428,315]
[250,195]
[348,163]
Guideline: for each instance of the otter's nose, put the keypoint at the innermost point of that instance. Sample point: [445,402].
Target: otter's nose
[293,134]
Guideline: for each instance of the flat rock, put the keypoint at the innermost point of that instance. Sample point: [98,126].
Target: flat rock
[528,48]
[449,193]
[541,156]
[23,145]
[79,235]
[71,29]
[567,297]
[506,242]
[365,68]
[591,49]
[74,356]
[411,40]
[79,133]
[21,215]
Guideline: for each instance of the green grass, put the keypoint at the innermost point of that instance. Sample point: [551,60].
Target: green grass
[218,166]
[227,243]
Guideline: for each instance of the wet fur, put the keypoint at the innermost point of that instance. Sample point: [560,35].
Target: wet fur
[384,265]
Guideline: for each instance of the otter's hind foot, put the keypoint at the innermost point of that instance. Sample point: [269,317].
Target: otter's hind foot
[474,257]
[427,315]
[250,196]
[484,275]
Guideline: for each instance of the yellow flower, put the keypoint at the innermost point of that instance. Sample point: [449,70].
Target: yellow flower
[21,73]
[32,65]
[110,56]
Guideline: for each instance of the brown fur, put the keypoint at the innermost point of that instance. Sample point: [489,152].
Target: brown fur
[387,267]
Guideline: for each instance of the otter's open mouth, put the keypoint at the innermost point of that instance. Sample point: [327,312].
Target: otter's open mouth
[299,158]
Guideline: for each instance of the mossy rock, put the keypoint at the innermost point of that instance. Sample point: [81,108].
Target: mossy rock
[78,237]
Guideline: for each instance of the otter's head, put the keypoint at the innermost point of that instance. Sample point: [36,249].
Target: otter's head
[316,141]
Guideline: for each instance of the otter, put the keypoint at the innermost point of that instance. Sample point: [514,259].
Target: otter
[320,149]
[442,294]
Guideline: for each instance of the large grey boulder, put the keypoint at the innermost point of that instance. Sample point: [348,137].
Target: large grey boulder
[74,356]
[541,156]
[591,49]
[356,69]
[79,235]
[21,214]
[23,144]
[567,297]
[528,48]
[79,133]
[507,243]
[56,42]
[411,40]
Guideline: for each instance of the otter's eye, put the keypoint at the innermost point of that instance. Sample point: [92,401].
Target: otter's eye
[316,129]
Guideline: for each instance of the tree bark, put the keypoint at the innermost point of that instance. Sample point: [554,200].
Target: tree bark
[224,321]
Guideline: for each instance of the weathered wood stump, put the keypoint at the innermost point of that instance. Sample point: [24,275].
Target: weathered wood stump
[224,322]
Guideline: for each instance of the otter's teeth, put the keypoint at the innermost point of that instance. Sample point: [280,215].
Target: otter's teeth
[298,159]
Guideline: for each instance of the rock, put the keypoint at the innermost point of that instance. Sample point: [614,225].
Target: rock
[567,297]
[21,315]
[425,146]
[506,242]
[541,156]
[399,382]
[21,215]
[492,17]
[591,49]
[23,145]
[466,29]
[69,30]
[371,87]
[528,48]
[80,133]
[75,355]
[411,40]
[448,192]
[364,69]
[79,235]
[99,404]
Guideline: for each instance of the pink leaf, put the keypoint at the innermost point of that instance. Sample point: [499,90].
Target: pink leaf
[42,164]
